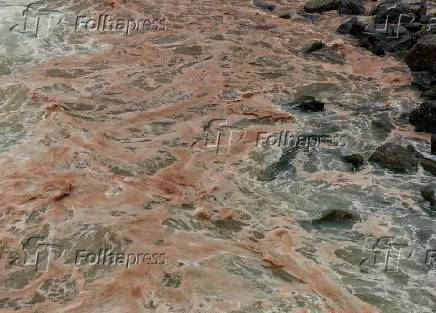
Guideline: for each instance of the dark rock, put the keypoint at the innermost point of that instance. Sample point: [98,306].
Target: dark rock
[308,104]
[430,93]
[282,165]
[335,216]
[395,38]
[264,5]
[318,45]
[422,57]
[381,122]
[285,16]
[397,158]
[355,159]
[429,165]
[391,11]
[413,27]
[351,7]
[424,80]
[424,117]
[318,6]
[427,193]
[352,27]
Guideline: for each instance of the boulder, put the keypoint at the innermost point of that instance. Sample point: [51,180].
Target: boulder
[430,93]
[427,193]
[392,11]
[422,57]
[429,165]
[318,6]
[394,39]
[397,158]
[352,27]
[424,117]
[351,7]
[424,80]
[356,160]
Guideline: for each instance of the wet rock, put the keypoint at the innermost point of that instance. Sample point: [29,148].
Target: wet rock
[318,45]
[264,5]
[351,7]
[424,80]
[352,27]
[427,193]
[391,11]
[424,117]
[282,165]
[335,216]
[394,39]
[356,160]
[382,123]
[308,104]
[422,57]
[413,27]
[318,6]
[396,158]
[429,165]
[430,93]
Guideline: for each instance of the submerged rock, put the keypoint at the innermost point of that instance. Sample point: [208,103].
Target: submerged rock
[335,216]
[318,6]
[356,160]
[318,45]
[427,193]
[424,117]
[282,165]
[307,104]
[397,158]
